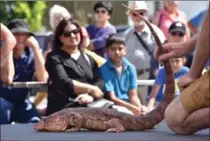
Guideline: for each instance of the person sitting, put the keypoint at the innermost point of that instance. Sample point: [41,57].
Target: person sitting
[120,76]
[157,92]
[7,44]
[28,62]
[176,33]
[56,14]
[141,43]
[72,73]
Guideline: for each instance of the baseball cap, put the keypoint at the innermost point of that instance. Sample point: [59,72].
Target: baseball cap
[19,25]
[177,27]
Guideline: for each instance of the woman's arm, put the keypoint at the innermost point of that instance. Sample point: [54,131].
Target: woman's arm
[57,73]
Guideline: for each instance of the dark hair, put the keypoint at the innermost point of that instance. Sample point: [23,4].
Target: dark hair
[104,4]
[59,31]
[115,39]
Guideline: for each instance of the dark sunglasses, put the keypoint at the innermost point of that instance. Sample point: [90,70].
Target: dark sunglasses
[69,33]
[134,14]
[100,11]
[177,34]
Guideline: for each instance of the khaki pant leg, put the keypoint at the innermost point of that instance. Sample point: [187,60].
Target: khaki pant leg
[142,90]
[196,96]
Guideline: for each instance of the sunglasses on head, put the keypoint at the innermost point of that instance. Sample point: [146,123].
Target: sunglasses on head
[177,34]
[100,11]
[141,13]
[69,33]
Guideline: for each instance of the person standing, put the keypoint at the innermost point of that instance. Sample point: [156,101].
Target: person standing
[140,43]
[99,32]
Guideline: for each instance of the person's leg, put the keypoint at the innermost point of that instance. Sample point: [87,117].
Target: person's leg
[189,112]
[142,90]
[181,121]
[26,113]
[6,110]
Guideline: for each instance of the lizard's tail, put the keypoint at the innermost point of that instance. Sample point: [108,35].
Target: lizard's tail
[157,115]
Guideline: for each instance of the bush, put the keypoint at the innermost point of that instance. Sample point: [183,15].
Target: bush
[31,11]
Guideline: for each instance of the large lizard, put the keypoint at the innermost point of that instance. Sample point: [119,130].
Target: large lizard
[110,120]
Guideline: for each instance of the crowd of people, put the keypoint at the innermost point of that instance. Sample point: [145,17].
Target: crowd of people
[88,64]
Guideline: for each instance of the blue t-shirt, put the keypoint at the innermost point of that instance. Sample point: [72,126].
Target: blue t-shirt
[207,64]
[99,37]
[198,19]
[24,71]
[120,84]
[161,80]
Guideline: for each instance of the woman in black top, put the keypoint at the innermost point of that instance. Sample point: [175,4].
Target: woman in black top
[72,73]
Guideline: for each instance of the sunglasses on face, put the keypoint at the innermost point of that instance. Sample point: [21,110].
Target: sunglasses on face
[100,11]
[69,33]
[141,13]
[177,34]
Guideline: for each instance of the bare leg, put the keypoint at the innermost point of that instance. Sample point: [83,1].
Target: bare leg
[115,126]
[182,122]
[191,126]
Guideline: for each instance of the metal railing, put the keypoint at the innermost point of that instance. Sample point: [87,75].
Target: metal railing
[43,85]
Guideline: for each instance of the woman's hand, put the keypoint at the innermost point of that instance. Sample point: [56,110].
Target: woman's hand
[84,99]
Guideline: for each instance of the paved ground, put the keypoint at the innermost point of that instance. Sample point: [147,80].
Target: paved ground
[25,132]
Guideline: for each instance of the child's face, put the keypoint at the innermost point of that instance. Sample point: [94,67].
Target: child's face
[176,64]
[176,37]
[116,52]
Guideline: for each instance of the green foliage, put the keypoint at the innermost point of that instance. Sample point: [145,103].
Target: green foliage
[31,11]
[4,12]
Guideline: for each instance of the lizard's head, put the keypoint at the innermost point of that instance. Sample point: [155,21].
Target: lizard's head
[41,125]
[51,123]
[44,122]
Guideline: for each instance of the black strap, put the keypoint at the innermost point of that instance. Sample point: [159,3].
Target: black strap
[143,43]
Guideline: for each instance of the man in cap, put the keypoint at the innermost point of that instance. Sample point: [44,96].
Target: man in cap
[28,62]
[140,43]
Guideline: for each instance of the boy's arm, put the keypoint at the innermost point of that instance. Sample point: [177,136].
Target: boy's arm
[133,97]
[154,92]
[136,110]
[158,82]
